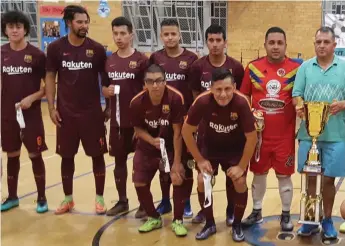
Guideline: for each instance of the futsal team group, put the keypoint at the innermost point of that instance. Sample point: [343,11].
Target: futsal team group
[179,114]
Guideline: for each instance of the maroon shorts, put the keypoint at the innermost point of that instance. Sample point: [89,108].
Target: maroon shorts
[145,167]
[89,129]
[32,135]
[121,141]
[224,161]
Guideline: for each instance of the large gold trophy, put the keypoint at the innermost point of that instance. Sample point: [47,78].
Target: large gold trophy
[316,115]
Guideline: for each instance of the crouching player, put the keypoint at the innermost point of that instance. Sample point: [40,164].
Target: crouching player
[230,139]
[157,115]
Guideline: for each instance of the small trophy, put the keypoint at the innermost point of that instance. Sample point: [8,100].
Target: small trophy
[316,117]
[259,126]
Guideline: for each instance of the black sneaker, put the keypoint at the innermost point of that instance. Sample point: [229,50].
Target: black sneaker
[229,216]
[119,208]
[206,232]
[285,222]
[199,218]
[254,218]
[140,214]
[237,233]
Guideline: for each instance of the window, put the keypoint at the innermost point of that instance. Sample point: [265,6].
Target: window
[193,17]
[29,7]
[338,7]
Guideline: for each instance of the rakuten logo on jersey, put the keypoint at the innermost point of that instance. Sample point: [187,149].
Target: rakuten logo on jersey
[120,76]
[174,76]
[71,65]
[219,128]
[206,84]
[11,70]
[156,123]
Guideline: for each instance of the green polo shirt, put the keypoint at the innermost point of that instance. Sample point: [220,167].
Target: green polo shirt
[312,83]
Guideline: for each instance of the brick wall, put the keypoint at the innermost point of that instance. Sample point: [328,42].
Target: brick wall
[249,21]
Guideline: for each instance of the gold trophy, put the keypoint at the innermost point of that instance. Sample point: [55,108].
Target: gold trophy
[259,126]
[316,115]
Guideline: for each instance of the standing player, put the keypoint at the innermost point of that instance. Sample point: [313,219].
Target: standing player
[268,82]
[200,80]
[230,140]
[78,61]
[125,69]
[23,67]
[176,61]
[157,114]
[201,70]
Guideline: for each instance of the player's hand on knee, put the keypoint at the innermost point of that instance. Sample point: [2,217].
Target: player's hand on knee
[177,173]
[240,184]
[176,178]
[55,117]
[205,167]
[235,173]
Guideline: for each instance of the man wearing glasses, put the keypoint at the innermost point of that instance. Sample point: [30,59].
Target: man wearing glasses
[157,115]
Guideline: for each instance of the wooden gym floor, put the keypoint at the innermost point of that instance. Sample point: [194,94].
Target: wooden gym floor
[23,226]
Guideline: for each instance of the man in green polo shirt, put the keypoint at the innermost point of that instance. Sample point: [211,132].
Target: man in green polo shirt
[322,79]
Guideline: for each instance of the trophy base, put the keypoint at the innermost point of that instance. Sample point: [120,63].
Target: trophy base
[309,222]
[312,169]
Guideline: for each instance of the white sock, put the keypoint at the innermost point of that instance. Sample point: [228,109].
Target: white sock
[258,190]
[285,191]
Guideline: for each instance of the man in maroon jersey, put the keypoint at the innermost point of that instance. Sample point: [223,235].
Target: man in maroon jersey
[157,115]
[200,80]
[230,139]
[78,61]
[176,61]
[125,69]
[23,67]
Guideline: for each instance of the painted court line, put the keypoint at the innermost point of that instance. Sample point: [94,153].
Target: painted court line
[60,183]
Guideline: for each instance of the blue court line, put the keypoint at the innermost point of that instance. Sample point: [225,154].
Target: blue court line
[74,178]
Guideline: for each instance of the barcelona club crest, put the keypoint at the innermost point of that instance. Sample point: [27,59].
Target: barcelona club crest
[183,64]
[233,116]
[132,64]
[165,109]
[28,58]
[89,53]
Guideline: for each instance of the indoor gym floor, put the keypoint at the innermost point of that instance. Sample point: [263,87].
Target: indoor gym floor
[23,226]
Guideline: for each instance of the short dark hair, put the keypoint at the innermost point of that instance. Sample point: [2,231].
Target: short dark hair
[14,17]
[155,68]
[221,74]
[170,22]
[275,29]
[215,29]
[122,21]
[326,29]
[69,12]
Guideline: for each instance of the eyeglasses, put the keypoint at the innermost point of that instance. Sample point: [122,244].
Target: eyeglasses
[157,81]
